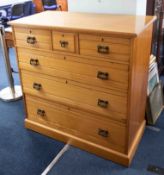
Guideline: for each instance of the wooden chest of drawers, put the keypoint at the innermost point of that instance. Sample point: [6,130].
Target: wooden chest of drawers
[84,84]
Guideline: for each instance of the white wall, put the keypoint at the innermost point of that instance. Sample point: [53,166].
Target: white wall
[108,6]
[141,7]
[8,2]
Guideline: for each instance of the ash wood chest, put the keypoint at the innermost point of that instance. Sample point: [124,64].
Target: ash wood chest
[84,78]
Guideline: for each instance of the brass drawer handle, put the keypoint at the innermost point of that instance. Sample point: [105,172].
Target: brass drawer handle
[41,112]
[102,103]
[34,62]
[103,49]
[102,75]
[103,133]
[37,86]
[64,44]
[31,40]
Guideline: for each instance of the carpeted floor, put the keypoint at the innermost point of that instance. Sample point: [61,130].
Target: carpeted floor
[24,152]
[3,77]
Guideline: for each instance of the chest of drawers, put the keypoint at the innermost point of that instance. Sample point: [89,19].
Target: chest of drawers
[84,84]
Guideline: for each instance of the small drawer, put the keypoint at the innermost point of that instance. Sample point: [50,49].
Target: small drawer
[64,41]
[111,48]
[76,122]
[70,93]
[33,38]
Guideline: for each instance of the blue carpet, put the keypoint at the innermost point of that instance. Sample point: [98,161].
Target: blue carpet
[22,152]
[3,77]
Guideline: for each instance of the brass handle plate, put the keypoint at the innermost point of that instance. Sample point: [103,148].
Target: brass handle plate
[31,40]
[37,86]
[103,75]
[64,44]
[102,103]
[103,133]
[103,49]
[41,112]
[34,62]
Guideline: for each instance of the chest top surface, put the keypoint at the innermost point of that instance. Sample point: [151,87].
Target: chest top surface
[87,22]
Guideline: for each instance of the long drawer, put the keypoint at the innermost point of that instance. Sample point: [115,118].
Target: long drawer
[101,46]
[110,76]
[33,38]
[64,90]
[105,133]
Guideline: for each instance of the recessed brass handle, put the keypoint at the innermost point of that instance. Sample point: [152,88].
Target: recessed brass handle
[37,86]
[31,40]
[41,112]
[34,62]
[103,133]
[102,75]
[64,44]
[102,103]
[103,49]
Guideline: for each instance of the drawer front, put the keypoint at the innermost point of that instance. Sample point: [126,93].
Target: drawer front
[112,76]
[106,133]
[33,38]
[64,41]
[113,48]
[65,90]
